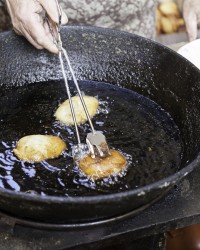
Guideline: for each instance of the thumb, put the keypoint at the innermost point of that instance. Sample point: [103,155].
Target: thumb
[190,22]
[51,8]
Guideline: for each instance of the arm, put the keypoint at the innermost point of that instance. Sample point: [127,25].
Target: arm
[27,21]
[191,14]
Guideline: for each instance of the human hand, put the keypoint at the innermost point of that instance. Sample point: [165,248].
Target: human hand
[191,14]
[27,21]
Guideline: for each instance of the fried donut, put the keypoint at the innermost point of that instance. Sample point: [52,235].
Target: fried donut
[63,113]
[36,148]
[97,167]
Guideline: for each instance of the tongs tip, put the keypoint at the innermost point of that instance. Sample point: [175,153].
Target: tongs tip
[97,144]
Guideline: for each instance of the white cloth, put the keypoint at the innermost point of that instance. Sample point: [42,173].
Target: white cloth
[191,52]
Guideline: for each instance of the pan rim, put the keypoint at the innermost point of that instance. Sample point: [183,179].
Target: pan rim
[162,183]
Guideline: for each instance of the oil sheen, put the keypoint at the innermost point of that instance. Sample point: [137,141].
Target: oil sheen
[133,124]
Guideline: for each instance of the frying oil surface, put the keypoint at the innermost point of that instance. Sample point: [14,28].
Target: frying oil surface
[133,124]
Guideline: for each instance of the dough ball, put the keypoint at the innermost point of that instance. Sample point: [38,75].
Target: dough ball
[63,113]
[168,25]
[169,9]
[103,167]
[36,148]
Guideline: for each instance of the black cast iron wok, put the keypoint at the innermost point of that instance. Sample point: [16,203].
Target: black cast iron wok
[118,58]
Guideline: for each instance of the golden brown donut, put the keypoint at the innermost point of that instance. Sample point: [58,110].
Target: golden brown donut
[63,113]
[97,167]
[36,148]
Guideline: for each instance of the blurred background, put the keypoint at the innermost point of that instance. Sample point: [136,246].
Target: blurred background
[170,25]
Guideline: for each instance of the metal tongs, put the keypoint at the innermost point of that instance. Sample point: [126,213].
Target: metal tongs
[95,140]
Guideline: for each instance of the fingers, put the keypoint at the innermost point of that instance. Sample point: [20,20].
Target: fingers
[53,27]
[50,7]
[190,16]
[39,32]
[27,21]
[191,25]
[30,39]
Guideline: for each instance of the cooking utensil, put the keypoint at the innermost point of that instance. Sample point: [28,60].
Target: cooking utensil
[95,140]
[116,57]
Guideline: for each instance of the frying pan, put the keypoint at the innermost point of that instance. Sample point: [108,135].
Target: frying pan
[115,57]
